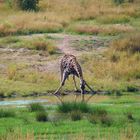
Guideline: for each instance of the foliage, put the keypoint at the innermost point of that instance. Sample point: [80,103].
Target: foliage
[119,1]
[41,116]
[66,107]
[36,107]
[76,115]
[100,115]
[27,4]
[6,113]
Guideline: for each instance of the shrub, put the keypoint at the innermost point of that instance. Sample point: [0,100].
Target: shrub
[6,113]
[93,118]
[76,115]
[130,116]
[106,120]
[99,111]
[100,115]
[131,88]
[36,107]
[73,106]
[27,4]
[42,116]
[118,1]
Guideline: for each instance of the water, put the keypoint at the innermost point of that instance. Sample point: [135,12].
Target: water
[22,102]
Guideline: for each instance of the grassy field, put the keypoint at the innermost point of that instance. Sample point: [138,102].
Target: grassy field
[117,121]
[104,36]
[90,17]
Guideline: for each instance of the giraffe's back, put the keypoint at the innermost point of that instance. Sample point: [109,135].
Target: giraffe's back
[70,65]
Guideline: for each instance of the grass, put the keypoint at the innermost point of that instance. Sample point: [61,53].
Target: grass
[36,107]
[111,30]
[75,115]
[6,113]
[73,106]
[51,18]
[41,116]
[39,44]
[114,19]
[67,128]
[128,44]
[118,65]
[116,70]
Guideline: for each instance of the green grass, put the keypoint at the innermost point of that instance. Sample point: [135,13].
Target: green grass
[73,106]
[68,128]
[33,107]
[4,113]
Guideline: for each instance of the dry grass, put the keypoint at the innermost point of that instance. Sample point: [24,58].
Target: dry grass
[119,66]
[129,44]
[125,134]
[113,19]
[55,15]
[99,29]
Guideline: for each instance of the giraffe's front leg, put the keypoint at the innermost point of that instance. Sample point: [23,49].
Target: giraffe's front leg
[65,75]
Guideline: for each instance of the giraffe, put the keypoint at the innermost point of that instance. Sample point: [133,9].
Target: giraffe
[70,66]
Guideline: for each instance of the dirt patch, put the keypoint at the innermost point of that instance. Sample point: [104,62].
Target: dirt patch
[67,44]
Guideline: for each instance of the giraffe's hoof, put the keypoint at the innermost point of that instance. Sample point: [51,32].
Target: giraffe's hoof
[77,90]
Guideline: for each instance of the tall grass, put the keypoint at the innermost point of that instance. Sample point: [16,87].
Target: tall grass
[41,116]
[130,44]
[7,113]
[39,44]
[52,18]
[119,65]
[36,107]
[99,29]
[67,107]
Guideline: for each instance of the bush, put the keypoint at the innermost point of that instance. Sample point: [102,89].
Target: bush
[76,115]
[6,113]
[73,106]
[131,88]
[36,107]
[130,116]
[100,115]
[93,119]
[28,4]
[42,116]
[118,1]
[99,111]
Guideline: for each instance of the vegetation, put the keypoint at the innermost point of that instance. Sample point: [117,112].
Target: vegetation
[36,107]
[102,121]
[6,113]
[70,106]
[104,34]
[28,4]
[75,115]
[41,116]
[51,18]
